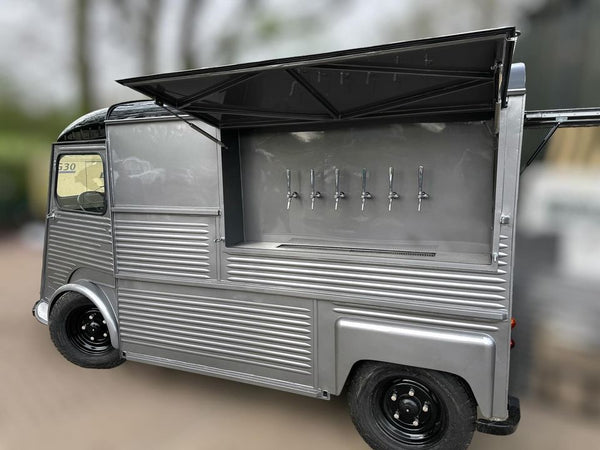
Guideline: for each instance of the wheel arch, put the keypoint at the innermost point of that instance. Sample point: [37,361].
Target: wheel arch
[469,356]
[356,366]
[94,294]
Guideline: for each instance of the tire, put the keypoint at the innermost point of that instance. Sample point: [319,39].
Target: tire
[79,333]
[387,405]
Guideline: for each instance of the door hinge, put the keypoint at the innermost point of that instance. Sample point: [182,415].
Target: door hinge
[504,219]
[219,239]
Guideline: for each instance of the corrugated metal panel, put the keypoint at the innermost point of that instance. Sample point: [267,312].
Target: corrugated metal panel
[449,287]
[273,336]
[77,241]
[181,249]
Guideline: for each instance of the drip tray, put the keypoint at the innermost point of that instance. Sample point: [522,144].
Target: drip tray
[386,251]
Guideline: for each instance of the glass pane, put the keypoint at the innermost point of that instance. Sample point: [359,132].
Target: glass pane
[80,183]
[166,164]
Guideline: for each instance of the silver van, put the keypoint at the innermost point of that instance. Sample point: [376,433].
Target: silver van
[309,224]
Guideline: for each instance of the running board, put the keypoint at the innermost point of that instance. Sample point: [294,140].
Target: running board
[229,375]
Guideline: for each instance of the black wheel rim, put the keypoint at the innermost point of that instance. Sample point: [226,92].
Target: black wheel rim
[87,330]
[409,412]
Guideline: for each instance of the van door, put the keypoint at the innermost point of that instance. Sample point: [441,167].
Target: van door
[78,230]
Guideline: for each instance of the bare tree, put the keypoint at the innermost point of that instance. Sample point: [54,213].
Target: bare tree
[190,53]
[148,33]
[139,22]
[82,53]
[228,43]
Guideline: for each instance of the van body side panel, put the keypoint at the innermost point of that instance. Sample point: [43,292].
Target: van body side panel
[270,315]
[166,246]
[173,311]
[270,336]
[76,241]
[426,329]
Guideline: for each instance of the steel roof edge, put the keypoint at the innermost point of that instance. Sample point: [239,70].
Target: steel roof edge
[91,126]
[92,120]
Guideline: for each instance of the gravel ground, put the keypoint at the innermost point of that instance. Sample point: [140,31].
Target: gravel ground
[48,403]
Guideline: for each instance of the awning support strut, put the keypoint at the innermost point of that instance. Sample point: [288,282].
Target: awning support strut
[559,118]
[192,125]
[540,147]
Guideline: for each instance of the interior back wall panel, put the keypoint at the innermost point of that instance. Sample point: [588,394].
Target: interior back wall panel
[458,160]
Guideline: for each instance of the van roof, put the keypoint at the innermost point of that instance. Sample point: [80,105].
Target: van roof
[92,125]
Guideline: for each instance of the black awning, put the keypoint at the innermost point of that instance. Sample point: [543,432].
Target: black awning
[426,79]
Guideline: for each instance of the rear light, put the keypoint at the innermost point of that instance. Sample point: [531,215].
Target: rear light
[513,323]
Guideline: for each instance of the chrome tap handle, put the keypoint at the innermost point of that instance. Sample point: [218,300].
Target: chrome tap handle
[421,194]
[290,194]
[313,194]
[364,195]
[391,195]
[338,194]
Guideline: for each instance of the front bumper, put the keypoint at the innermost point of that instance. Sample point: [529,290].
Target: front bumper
[40,311]
[503,427]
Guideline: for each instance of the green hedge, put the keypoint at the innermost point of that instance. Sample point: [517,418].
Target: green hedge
[24,163]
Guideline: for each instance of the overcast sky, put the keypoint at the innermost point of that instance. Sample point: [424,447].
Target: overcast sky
[37,63]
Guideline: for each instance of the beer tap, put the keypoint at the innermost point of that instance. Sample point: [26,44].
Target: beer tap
[364,195]
[421,194]
[391,195]
[338,194]
[290,194]
[313,194]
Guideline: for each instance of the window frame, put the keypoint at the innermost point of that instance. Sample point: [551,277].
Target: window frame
[56,175]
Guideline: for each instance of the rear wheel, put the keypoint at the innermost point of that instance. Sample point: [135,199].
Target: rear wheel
[395,407]
[80,333]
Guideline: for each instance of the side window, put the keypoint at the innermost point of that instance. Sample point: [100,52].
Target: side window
[80,183]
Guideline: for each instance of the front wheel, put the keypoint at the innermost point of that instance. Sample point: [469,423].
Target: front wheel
[402,407]
[80,334]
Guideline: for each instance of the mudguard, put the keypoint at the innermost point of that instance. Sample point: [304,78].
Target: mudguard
[470,355]
[98,298]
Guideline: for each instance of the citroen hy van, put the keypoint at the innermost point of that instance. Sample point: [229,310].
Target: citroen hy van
[309,224]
